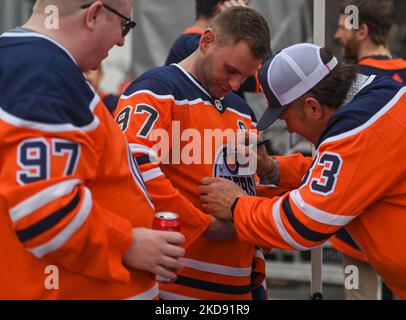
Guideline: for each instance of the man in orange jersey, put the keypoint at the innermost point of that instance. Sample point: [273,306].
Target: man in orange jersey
[67,228]
[357,124]
[366,43]
[184,105]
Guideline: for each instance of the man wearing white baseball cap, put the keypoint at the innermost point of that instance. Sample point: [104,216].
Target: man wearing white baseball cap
[301,68]
[356,181]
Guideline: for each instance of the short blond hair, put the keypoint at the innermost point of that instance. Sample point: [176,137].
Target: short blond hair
[243,24]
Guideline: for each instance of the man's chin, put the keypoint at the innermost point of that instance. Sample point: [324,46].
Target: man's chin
[94,68]
[220,93]
[96,65]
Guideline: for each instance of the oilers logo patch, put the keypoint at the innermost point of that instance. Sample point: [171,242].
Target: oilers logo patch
[218,105]
[226,166]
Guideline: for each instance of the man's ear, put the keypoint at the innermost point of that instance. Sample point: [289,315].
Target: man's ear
[92,14]
[363,32]
[207,39]
[313,108]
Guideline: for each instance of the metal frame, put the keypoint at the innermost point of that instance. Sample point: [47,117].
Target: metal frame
[319,38]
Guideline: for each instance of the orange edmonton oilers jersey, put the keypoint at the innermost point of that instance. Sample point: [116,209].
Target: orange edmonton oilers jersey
[356,181]
[381,66]
[169,101]
[70,190]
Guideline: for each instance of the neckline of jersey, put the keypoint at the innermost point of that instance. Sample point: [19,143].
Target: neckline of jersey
[196,82]
[25,32]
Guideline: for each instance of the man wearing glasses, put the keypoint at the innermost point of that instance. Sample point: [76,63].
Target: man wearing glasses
[126,26]
[61,199]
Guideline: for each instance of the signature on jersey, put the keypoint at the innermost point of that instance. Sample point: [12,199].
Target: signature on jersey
[226,166]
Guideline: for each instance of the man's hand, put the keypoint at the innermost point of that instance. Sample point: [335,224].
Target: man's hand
[264,164]
[217,195]
[155,251]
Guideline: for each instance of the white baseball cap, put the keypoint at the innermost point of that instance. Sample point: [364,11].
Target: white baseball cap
[288,75]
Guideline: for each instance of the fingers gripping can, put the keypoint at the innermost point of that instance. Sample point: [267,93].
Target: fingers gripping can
[165,221]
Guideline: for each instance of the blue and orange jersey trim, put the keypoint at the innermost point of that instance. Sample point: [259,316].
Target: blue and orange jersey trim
[384,66]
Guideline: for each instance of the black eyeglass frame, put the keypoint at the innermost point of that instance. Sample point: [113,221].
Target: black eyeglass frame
[129,24]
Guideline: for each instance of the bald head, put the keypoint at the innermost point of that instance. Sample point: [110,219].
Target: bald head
[68,7]
[87,34]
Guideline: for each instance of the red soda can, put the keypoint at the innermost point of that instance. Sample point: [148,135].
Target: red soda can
[165,221]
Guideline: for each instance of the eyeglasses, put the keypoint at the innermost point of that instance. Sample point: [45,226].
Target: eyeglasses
[126,27]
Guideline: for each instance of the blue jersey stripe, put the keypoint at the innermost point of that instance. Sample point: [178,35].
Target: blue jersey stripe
[212,287]
[299,227]
[49,222]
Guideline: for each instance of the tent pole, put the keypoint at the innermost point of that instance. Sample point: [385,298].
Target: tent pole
[319,38]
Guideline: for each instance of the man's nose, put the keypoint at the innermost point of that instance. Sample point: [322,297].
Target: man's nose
[121,42]
[235,82]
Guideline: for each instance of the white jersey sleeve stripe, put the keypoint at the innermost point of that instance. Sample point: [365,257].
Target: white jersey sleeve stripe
[69,230]
[44,127]
[147,295]
[281,228]
[216,268]
[166,295]
[134,147]
[42,198]
[152,174]
[317,214]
